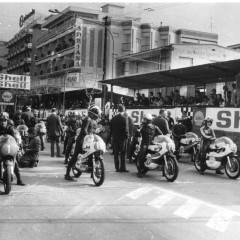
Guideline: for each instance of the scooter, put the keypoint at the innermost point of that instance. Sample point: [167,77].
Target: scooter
[189,146]
[91,160]
[159,156]
[8,152]
[221,155]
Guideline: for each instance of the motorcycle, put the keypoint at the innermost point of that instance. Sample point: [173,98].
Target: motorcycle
[189,145]
[159,156]
[8,153]
[221,155]
[135,145]
[91,160]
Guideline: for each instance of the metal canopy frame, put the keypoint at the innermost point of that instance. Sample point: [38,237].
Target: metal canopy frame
[201,74]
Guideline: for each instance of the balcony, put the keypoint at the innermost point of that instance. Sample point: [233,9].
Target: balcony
[28,45]
[56,32]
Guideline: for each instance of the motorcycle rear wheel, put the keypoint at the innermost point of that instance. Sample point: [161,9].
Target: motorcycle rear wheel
[171,170]
[7,179]
[98,171]
[233,171]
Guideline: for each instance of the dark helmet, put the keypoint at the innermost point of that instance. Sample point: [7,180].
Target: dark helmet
[95,111]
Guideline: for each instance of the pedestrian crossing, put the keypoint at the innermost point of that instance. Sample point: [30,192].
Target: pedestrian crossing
[216,218]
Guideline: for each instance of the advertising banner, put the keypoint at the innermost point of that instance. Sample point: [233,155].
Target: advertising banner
[14,81]
[137,114]
[7,98]
[225,119]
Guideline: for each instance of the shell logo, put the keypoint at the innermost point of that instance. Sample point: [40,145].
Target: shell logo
[198,118]
[7,96]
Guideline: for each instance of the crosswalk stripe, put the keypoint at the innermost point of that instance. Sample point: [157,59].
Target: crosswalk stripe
[159,201]
[138,193]
[220,220]
[188,209]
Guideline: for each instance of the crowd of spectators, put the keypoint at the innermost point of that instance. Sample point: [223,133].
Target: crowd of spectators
[228,98]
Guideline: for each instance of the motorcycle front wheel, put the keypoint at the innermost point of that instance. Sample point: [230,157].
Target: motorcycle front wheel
[171,169]
[233,169]
[7,179]
[194,155]
[197,162]
[98,171]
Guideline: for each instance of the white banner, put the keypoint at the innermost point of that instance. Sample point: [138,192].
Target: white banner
[225,119]
[137,114]
[14,81]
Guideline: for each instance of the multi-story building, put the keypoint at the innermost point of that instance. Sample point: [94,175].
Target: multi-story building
[172,57]
[76,48]
[3,57]
[21,46]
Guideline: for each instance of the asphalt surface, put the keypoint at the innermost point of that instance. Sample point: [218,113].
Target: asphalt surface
[193,207]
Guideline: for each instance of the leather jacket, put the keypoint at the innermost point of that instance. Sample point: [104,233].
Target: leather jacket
[148,132]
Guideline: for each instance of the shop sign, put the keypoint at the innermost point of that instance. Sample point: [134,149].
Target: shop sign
[78,43]
[22,19]
[7,98]
[14,81]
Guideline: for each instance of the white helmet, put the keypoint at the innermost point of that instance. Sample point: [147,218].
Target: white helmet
[148,116]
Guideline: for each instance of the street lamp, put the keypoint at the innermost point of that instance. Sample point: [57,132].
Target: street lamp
[101,24]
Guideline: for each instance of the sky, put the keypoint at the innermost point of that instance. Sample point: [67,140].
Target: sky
[220,17]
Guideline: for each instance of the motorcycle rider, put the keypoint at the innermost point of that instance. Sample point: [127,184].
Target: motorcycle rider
[5,128]
[148,132]
[208,136]
[178,132]
[89,125]
[73,125]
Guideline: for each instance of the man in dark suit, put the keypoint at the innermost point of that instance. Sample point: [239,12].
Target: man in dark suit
[54,131]
[161,122]
[26,116]
[130,131]
[119,132]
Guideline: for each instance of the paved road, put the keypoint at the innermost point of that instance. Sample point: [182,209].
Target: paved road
[124,207]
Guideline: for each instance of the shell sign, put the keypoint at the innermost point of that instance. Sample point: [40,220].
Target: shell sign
[7,98]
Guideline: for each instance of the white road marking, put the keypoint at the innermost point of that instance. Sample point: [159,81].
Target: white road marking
[96,208]
[188,209]
[220,220]
[161,200]
[138,193]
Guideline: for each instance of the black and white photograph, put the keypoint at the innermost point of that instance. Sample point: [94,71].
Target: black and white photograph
[119,120]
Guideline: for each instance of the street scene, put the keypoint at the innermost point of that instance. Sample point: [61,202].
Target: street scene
[49,207]
[119,120]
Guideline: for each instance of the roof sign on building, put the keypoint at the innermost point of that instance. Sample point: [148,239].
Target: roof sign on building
[22,19]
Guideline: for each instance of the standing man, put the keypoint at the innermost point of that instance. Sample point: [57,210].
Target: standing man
[119,132]
[170,120]
[54,131]
[187,121]
[161,122]
[130,131]
[26,116]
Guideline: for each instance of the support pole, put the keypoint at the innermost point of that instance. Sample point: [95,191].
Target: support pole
[111,105]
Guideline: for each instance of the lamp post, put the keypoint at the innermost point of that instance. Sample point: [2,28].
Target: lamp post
[101,24]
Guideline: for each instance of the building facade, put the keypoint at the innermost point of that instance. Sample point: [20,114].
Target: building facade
[175,56]
[78,47]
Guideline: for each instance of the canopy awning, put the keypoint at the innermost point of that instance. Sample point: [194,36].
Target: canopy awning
[196,75]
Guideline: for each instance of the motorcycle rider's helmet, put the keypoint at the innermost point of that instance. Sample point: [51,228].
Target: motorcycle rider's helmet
[208,120]
[94,112]
[4,115]
[148,117]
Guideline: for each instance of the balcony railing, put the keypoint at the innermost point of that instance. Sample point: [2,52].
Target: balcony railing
[55,32]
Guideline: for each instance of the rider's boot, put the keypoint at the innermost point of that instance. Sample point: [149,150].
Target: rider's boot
[219,172]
